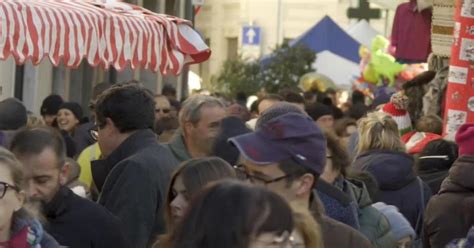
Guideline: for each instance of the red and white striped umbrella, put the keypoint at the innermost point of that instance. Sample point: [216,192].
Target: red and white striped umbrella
[105,34]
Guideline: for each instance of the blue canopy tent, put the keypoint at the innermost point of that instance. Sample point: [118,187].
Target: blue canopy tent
[326,35]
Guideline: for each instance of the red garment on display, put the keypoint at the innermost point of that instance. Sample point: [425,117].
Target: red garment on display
[411,32]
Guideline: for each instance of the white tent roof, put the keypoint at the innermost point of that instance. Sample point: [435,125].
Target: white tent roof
[363,33]
[337,68]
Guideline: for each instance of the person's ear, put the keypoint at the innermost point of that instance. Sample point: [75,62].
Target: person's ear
[305,184]
[64,174]
[20,200]
[187,128]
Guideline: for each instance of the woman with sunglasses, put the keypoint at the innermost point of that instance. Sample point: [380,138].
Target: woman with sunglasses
[18,228]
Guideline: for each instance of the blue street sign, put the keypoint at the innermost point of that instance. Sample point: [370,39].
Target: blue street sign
[251,35]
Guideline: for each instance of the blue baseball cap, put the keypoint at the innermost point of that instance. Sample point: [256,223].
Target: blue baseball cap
[289,136]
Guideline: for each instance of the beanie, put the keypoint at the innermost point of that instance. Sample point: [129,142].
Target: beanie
[74,107]
[396,108]
[465,139]
[50,105]
[400,226]
[317,110]
[415,142]
[12,114]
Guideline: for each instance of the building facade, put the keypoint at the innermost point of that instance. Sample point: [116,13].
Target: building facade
[221,23]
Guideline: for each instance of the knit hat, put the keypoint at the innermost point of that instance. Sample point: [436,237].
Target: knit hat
[74,107]
[400,226]
[465,139]
[416,141]
[317,110]
[50,105]
[12,114]
[396,108]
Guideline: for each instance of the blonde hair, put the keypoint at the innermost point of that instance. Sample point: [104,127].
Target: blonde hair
[34,121]
[15,168]
[308,227]
[378,131]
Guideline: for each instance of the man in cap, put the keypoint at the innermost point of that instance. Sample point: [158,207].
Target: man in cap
[286,154]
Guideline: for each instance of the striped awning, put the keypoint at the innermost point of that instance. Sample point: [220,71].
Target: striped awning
[111,34]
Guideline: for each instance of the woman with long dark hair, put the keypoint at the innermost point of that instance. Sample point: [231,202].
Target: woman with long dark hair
[234,215]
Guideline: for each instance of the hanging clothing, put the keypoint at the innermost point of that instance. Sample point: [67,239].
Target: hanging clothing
[411,33]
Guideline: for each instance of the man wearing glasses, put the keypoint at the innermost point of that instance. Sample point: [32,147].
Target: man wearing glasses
[287,154]
[134,173]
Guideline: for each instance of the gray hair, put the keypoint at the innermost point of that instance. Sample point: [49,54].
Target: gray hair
[191,110]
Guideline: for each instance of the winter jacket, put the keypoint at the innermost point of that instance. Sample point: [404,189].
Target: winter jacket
[133,182]
[433,177]
[450,213]
[336,234]
[29,233]
[82,137]
[178,148]
[337,205]
[398,184]
[88,155]
[373,224]
[76,222]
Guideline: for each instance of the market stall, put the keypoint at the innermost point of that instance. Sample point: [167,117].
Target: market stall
[106,34]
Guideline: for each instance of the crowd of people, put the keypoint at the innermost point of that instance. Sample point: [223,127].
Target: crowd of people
[293,170]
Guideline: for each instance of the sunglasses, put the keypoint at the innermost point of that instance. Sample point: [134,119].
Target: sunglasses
[165,111]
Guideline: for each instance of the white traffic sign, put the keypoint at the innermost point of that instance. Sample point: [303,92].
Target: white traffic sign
[251,35]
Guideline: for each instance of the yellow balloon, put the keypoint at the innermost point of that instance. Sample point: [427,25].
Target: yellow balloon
[363,52]
[370,75]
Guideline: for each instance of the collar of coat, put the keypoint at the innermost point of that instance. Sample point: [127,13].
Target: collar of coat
[58,205]
[137,141]
[178,146]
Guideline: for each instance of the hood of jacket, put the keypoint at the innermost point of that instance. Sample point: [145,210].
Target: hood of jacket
[393,170]
[460,176]
[178,148]
[358,192]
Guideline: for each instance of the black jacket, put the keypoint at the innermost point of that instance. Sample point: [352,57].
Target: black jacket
[77,222]
[133,182]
